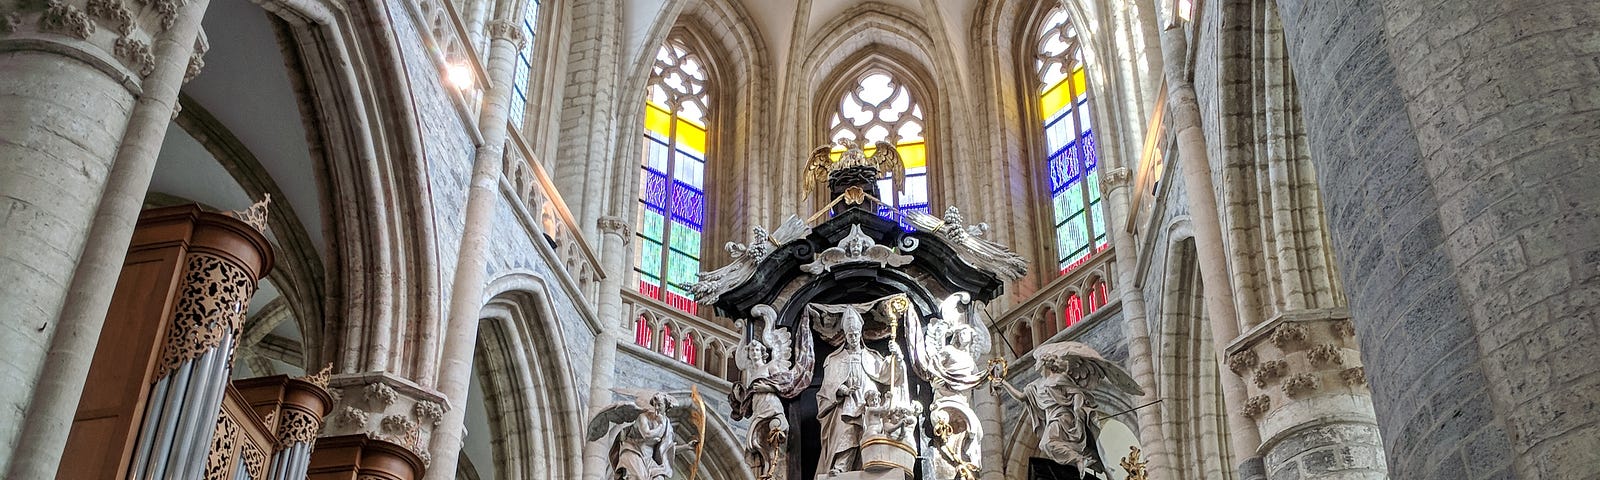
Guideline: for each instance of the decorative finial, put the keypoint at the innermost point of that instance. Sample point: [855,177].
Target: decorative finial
[321,378]
[256,215]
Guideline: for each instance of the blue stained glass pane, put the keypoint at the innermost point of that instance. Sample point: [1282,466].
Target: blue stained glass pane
[1090,153]
[688,204]
[653,189]
[1063,169]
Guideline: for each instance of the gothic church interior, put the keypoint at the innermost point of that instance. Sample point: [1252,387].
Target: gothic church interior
[755,239]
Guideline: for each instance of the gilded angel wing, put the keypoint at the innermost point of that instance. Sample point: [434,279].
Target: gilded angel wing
[887,159]
[816,170]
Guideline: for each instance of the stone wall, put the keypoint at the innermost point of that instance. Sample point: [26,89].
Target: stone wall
[1450,139]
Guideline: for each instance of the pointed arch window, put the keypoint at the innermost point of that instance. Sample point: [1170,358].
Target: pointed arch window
[523,69]
[672,188]
[1071,158]
[879,107]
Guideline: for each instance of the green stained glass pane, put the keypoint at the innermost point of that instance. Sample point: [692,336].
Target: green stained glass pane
[1060,202]
[1098,219]
[1072,236]
[685,239]
[1074,198]
[1094,185]
[649,257]
[681,269]
[679,291]
[653,226]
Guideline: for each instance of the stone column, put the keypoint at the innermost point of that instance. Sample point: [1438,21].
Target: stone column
[1455,147]
[615,235]
[1141,360]
[1184,120]
[466,297]
[76,72]
[1309,397]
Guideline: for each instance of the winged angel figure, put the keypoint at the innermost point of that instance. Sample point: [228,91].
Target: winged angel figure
[644,445]
[769,373]
[951,346]
[1059,403]
[885,159]
[970,245]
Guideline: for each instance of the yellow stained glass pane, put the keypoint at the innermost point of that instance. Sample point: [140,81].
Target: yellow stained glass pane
[1058,95]
[691,135]
[656,119]
[913,154]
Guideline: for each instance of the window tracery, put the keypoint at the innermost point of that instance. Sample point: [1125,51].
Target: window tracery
[881,108]
[1070,147]
[672,191]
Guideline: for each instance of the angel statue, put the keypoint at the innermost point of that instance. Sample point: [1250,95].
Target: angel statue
[1059,403]
[953,343]
[644,443]
[768,374]
[884,159]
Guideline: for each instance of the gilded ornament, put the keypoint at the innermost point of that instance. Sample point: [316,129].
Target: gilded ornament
[256,215]
[885,159]
[321,378]
[1134,466]
[210,306]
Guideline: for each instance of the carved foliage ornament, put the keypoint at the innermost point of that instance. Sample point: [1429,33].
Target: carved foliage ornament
[298,426]
[256,215]
[254,460]
[211,306]
[224,441]
[62,17]
[1257,405]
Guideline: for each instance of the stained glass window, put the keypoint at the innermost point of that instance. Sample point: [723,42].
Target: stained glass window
[672,196]
[688,350]
[880,108]
[1074,311]
[1071,158]
[641,332]
[524,65]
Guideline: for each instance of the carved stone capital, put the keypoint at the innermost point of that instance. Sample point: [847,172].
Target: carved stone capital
[507,30]
[383,406]
[615,225]
[1241,362]
[1116,177]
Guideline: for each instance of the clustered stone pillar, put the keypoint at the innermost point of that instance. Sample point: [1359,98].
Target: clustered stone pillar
[1455,147]
[615,235]
[1140,357]
[466,294]
[1184,121]
[89,90]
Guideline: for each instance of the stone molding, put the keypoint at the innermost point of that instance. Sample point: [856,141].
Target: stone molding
[616,226]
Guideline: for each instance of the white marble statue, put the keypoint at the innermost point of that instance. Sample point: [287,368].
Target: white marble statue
[852,376]
[1059,403]
[644,444]
[769,374]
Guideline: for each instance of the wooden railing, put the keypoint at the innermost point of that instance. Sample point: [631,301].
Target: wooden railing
[1083,294]
[667,331]
[532,186]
